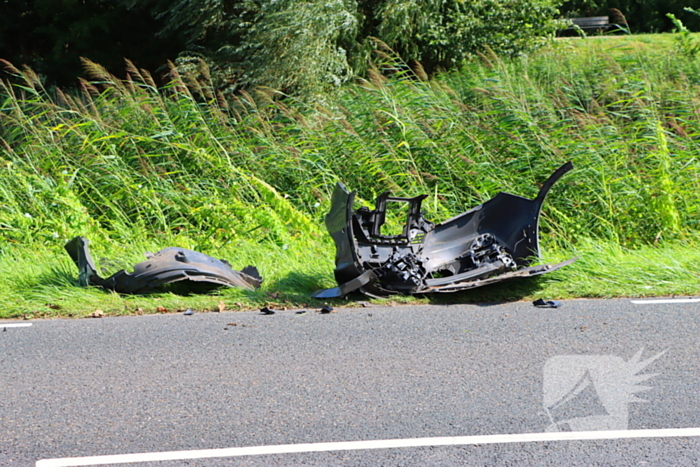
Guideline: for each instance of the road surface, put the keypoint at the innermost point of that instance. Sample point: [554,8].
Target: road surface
[211,383]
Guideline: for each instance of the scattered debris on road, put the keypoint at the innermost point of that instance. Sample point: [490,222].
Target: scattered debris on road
[327,309]
[188,312]
[490,243]
[540,303]
[226,328]
[198,271]
[267,310]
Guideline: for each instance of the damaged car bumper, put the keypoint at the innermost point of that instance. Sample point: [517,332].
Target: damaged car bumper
[492,242]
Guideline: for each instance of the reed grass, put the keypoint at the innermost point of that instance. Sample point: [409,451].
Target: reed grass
[135,168]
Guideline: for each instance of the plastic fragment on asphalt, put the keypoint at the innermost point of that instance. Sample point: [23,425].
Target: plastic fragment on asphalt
[539,303]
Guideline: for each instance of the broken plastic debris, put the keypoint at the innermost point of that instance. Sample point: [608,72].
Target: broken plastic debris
[197,271]
[96,314]
[540,303]
[267,311]
[490,243]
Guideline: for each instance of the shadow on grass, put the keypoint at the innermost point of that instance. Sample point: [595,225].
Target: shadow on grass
[298,287]
[59,275]
[293,291]
[507,291]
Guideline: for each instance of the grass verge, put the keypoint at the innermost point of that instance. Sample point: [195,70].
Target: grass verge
[44,283]
[137,168]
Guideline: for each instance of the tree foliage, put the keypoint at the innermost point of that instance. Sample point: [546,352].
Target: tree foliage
[297,46]
[440,34]
[307,46]
[52,35]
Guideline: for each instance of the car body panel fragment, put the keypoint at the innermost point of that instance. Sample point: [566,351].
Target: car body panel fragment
[167,266]
[494,241]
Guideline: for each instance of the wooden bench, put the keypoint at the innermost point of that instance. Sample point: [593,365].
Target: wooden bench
[595,23]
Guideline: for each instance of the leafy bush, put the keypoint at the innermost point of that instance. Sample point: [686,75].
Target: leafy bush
[685,44]
[313,45]
[441,34]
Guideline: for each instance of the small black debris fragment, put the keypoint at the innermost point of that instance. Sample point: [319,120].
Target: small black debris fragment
[301,312]
[267,311]
[539,303]
[188,312]
[326,309]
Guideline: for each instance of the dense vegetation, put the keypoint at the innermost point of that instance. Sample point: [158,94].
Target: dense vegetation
[135,168]
[291,45]
[288,44]
[52,35]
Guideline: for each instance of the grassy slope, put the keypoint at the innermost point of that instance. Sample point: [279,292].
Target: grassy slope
[137,169]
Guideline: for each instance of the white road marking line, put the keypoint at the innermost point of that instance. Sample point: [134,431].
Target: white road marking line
[670,300]
[372,444]
[15,325]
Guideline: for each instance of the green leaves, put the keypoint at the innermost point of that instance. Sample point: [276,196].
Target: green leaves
[440,34]
[297,46]
[308,48]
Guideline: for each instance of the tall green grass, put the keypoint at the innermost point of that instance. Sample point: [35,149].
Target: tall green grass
[135,167]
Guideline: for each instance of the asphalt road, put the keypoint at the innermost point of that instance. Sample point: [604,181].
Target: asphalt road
[90,387]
